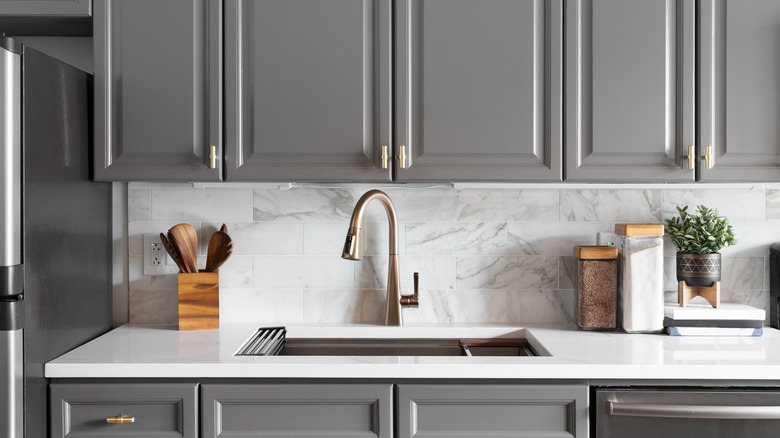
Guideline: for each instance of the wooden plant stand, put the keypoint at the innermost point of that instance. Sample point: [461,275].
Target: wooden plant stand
[710,293]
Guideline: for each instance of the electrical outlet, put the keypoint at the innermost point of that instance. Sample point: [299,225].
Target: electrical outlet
[156,258]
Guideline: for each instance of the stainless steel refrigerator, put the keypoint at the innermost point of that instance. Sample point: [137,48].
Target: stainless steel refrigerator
[55,230]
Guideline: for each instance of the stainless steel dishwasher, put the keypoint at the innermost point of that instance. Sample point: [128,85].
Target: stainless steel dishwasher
[687,412]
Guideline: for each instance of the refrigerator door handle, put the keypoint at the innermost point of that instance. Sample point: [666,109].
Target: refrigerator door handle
[11,375]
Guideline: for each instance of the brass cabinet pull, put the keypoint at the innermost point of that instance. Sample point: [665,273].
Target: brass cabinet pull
[708,156]
[120,419]
[384,156]
[691,157]
[402,156]
[213,157]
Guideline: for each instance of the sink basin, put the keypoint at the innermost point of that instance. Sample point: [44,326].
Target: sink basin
[274,344]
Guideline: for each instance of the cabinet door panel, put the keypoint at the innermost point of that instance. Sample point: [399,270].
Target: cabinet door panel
[315,410]
[629,98]
[740,99]
[478,90]
[157,89]
[492,411]
[159,410]
[308,89]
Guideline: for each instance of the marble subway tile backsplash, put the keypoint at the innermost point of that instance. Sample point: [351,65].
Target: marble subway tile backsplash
[485,255]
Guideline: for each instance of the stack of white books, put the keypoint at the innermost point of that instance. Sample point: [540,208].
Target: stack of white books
[701,319]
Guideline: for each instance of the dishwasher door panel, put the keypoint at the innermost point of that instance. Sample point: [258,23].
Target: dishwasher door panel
[687,413]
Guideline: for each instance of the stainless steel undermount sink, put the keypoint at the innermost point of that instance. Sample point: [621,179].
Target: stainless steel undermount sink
[273,342]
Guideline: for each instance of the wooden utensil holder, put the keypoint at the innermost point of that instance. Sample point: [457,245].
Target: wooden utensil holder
[199,301]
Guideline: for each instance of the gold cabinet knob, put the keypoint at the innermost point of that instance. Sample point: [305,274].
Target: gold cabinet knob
[213,157]
[120,419]
[708,156]
[384,157]
[402,156]
[691,157]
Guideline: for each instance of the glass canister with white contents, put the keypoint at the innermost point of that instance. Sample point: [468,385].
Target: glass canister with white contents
[640,277]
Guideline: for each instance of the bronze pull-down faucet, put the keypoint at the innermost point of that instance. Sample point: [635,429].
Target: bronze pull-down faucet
[353,246]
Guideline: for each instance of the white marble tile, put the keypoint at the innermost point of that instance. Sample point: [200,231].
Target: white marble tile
[154,306]
[377,238]
[509,272]
[753,239]
[225,205]
[266,238]
[743,273]
[503,307]
[456,238]
[416,204]
[236,273]
[739,205]
[262,307]
[324,238]
[568,271]
[139,205]
[435,308]
[619,205]
[772,205]
[508,205]
[436,272]
[307,204]
[323,306]
[319,272]
[552,239]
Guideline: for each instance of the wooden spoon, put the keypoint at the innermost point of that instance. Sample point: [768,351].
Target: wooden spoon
[185,240]
[223,228]
[172,252]
[220,249]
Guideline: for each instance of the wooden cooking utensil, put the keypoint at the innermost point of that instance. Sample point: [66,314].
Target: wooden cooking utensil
[188,263]
[220,249]
[185,240]
[172,252]
[223,228]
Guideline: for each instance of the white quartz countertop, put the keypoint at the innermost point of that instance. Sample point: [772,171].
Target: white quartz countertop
[134,351]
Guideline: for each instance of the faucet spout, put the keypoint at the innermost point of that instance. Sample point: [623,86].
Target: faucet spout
[353,247]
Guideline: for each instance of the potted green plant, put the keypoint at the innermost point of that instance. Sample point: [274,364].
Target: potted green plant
[699,237]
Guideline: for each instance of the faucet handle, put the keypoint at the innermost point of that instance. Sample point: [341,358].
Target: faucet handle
[413,300]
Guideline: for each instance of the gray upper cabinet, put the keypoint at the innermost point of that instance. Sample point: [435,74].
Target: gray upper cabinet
[740,90]
[38,8]
[630,90]
[478,90]
[158,90]
[307,90]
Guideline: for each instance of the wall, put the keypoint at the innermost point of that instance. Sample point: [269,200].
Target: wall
[485,255]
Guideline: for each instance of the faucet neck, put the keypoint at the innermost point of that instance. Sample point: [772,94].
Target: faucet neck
[357,216]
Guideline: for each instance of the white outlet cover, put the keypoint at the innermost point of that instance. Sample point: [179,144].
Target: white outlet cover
[168,267]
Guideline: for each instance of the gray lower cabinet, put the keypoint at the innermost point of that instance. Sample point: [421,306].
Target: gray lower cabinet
[291,410]
[740,91]
[35,8]
[158,90]
[97,410]
[492,411]
[629,90]
[478,90]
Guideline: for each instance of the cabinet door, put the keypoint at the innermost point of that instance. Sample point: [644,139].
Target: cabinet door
[96,410]
[308,89]
[740,90]
[492,411]
[629,90]
[158,86]
[478,90]
[311,410]
[75,8]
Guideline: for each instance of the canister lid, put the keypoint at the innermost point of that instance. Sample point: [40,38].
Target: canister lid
[639,229]
[595,252]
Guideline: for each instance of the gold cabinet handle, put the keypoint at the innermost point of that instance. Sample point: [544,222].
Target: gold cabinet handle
[120,419]
[384,156]
[213,157]
[708,156]
[691,157]
[402,156]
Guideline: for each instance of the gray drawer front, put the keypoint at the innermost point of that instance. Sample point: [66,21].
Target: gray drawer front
[160,410]
[487,411]
[297,411]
